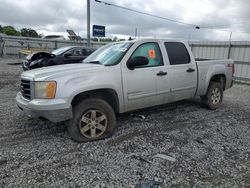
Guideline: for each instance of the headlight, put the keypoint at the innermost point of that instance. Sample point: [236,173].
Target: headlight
[36,61]
[45,90]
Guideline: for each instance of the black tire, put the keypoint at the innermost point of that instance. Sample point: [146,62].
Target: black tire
[208,100]
[82,108]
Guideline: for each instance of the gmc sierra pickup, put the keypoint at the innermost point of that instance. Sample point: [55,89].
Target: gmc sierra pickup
[117,78]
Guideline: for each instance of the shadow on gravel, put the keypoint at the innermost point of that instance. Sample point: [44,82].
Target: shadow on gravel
[142,114]
[29,130]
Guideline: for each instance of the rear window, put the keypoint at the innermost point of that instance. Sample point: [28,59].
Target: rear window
[177,53]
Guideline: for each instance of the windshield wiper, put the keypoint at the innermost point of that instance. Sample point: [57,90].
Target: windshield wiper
[94,62]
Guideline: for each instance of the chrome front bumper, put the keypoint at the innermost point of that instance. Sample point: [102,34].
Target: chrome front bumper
[54,110]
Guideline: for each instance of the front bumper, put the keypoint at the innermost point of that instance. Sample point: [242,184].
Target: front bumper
[54,110]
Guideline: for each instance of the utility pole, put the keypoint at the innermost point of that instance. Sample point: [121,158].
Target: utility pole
[135,33]
[229,45]
[230,37]
[88,23]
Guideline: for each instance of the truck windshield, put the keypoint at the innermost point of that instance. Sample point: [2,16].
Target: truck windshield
[109,54]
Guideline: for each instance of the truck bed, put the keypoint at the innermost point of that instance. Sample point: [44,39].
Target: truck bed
[208,68]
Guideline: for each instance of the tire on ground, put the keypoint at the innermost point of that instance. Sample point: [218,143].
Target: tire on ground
[207,99]
[83,107]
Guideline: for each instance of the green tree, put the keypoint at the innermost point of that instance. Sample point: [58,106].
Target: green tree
[1,29]
[121,39]
[40,35]
[9,30]
[28,32]
[94,39]
[105,39]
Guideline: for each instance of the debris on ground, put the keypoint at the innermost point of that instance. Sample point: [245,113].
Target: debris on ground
[148,184]
[199,140]
[140,158]
[162,156]
[138,115]
[3,159]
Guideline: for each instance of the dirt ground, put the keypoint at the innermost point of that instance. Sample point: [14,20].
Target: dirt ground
[208,148]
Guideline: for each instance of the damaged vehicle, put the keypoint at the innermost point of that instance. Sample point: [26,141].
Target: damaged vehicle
[118,78]
[64,55]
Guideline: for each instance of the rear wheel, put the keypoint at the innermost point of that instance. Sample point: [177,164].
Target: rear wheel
[93,119]
[214,96]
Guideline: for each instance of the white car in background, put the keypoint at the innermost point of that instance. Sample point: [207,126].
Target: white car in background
[54,37]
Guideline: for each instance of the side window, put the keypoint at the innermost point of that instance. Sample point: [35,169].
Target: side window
[150,50]
[84,52]
[177,53]
[71,52]
[77,52]
[87,52]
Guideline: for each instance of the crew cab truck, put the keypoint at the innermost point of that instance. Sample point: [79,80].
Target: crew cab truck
[117,78]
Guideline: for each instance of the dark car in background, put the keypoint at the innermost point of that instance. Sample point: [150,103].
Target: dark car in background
[64,55]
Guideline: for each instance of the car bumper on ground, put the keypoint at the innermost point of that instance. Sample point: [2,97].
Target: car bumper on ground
[54,110]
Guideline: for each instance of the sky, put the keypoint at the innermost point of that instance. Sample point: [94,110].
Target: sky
[216,18]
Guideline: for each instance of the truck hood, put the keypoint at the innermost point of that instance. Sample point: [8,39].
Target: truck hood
[54,72]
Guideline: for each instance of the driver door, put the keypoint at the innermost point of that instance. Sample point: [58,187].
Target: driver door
[140,84]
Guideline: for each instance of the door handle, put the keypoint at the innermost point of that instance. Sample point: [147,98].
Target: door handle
[161,73]
[190,70]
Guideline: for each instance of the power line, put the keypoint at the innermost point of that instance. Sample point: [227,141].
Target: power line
[168,19]
[148,14]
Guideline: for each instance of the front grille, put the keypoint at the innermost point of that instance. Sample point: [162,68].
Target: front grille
[25,88]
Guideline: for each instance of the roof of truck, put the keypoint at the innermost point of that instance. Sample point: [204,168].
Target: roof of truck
[153,40]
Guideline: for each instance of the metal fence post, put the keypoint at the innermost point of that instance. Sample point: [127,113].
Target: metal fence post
[55,44]
[229,49]
[28,44]
[1,46]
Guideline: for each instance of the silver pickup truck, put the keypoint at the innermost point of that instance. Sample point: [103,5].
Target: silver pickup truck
[118,78]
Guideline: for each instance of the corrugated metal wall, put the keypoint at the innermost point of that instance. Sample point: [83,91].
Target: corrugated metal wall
[239,51]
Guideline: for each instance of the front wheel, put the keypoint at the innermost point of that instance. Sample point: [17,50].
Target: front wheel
[93,119]
[214,96]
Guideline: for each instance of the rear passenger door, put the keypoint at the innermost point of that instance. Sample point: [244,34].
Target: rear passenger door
[182,72]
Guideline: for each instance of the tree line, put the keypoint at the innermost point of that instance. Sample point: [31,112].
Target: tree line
[24,32]
[29,32]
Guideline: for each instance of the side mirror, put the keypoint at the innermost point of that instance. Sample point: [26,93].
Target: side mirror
[66,55]
[136,62]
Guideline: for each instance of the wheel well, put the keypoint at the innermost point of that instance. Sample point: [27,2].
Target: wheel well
[221,78]
[109,95]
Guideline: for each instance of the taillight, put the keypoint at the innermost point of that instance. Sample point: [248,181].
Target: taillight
[232,66]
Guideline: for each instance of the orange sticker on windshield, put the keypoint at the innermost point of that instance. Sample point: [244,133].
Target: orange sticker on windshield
[151,53]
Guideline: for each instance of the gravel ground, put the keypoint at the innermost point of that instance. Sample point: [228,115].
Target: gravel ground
[210,148]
